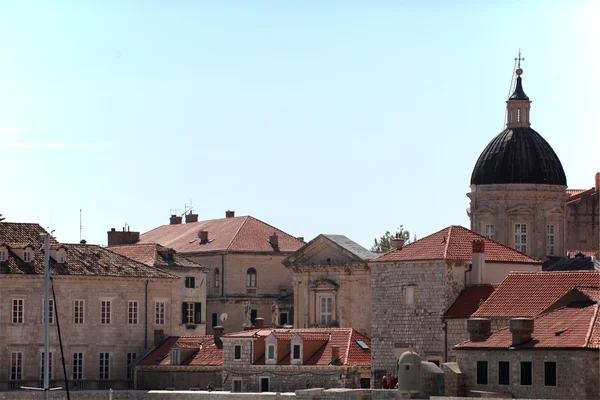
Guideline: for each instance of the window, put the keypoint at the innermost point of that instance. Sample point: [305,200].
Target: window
[489,231]
[410,296]
[550,373]
[482,372]
[60,257]
[79,311]
[175,356]
[296,354]
[503,373]
[133,312]
[18,311]
[27,255]
[283,318]
[253,316]
[521,237]
[77,366]
[326,310]
[105,311]
[191,313]
[526,373]
[16,365]
[217,277]
[3,254]
[264,384]
[104,366]
[271,352]
[550,249]
[50,311]
[50,369]
[237,352]
[251,278]
[190,282]
[237,385]
[130,360]
[215,319]
[159,313]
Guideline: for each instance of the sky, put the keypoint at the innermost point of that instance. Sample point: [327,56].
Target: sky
[316,117]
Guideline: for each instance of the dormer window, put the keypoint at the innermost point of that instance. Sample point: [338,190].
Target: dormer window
[27,255]
[61,256]
[296,352]
[3,254]
[175,356]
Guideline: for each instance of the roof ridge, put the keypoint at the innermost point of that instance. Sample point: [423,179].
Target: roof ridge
[235,235]
[137,262]
[497,242]
[588,336]
[271,226]
[445,252]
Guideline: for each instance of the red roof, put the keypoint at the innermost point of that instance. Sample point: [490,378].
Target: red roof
[204,352]
[153,255]
[469,301]
[236,234]
[575,326]
[527,294]
[577,194]
[455,243]
[346,338]
[586,253]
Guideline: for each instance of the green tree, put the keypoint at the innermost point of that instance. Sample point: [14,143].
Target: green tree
[385,242]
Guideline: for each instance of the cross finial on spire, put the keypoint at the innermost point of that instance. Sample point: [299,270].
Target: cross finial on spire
[519,59]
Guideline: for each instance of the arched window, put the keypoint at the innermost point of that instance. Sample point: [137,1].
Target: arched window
[251,277]
[217,277]
[518,115]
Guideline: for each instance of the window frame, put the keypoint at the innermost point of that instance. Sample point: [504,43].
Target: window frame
[104,366]
[500,375]
[239,382]
[490,231]
[190,312]
[129,366]
[50,366]
[77,366]
[520,244]
[217,278]
[78,311]
[133,312]
[175,356]
[27,256]
[18,311]
[555,374]
[530,362]
[409,295]
[299,348]
[50,311]
[271,353]
[237,352]
[160,313]
[550,240]
[326,314]
[487,372]
[190,282]
[105,312]
[3,254]
[16,366]
[251,278]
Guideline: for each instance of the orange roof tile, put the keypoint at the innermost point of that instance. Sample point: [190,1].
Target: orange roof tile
[526,294]
[236,234]
[153,255]
[469,301]
[455,243]
[585,253]
[577,194]
[206,354]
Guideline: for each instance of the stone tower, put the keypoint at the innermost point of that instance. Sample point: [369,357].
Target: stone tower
[518,186]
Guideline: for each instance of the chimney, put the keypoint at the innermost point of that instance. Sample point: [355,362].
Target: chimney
[259,323]
[125,237]
[597,187]
[175,220]
[203,236]
[159,336]
[479,328]
[229,214]
[191,218]
[83,241]
[218,332]
[335,354]
[274,240]
[521,329]
[300,238]
[479,260]
[397,243]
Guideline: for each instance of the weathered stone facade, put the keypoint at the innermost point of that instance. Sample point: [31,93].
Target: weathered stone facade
[576,370]
[178,377]
[458,333]
[583,222]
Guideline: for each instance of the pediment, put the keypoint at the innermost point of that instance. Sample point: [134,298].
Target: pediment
[322,251]
[558,211]
[324,284]
[484,210]
[521,209]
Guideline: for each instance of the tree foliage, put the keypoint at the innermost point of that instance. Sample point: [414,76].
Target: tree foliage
[385,244]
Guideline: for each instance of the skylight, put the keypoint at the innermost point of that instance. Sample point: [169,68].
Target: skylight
[362,345]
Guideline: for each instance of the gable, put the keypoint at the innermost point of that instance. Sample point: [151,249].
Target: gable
[322,251]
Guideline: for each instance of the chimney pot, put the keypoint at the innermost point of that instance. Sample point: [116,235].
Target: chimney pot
[274,240]
[122,237]
[175,220]
[159,336]
[397,243]
[203,236]
[218,332]
[335,354]
[112,229]
[300,238]
[259,323]
[597,187]
[229,214]
[478,246]
[191,218]
[479,328]
[521,329]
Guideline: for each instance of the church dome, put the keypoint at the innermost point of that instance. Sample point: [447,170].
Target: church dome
[518,155]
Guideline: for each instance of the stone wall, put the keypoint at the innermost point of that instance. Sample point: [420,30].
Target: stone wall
[576,370]
[185,378]
[582,223]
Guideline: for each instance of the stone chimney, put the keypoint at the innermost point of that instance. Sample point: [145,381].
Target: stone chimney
[479,328]
[218,332]
[479,260]
[274,240]
[203,236]
[259,323]
[159,336]
[300,238]
[397,243]
[125,237]
[191,218]
[175,220]
[597,187]
[521,329]
[335,354]
[229,214]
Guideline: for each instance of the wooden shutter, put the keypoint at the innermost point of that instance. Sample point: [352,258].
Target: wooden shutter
[198,313]
[184,313]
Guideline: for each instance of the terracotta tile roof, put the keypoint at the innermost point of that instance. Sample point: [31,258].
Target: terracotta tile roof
[526,294]
[350,352]
[455,243]
[23,233]
[236,234]
[469,301]
[577,194]
[154,255]
[586,253]
[573,326]
[205,352]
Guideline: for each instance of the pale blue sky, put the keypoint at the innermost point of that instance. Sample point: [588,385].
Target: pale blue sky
[317,117]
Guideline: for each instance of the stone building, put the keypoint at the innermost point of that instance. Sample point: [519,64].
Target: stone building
[182,363]
[285,360]
[101,296]
[414,285]
[242,257]
[328,274]
[551,356]
[190,300]
[519,193]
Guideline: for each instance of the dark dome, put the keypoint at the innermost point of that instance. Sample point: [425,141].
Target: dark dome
[518,155]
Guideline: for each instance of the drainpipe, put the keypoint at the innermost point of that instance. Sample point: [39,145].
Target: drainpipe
[146,316]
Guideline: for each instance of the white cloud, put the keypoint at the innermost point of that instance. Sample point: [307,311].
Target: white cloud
[5,130]
[40,145]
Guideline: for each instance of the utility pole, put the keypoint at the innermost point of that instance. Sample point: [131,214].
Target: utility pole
[46,314]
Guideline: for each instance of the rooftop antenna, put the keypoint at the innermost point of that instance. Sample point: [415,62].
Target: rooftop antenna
[187,209]
[516,71]
[80,225]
